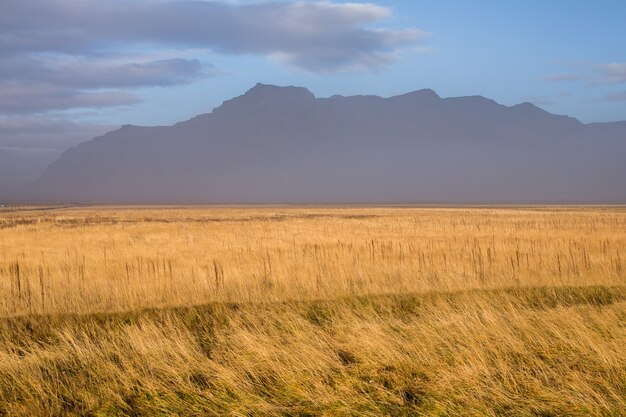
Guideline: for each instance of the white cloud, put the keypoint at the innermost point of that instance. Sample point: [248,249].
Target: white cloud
[301,29]
[614,73]
[61,54]
[39,132]
[562,77]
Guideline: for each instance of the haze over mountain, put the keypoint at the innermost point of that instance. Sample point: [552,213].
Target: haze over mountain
[282,144]
[20,167]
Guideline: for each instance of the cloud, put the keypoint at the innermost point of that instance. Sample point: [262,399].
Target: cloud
[21,97]
[313,35]
[620,96]
[614,73]
[561,77]
[96,72]
[63,54]
[44,83]
[39,132]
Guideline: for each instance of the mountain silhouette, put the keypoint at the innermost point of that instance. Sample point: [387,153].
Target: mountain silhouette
[284,145]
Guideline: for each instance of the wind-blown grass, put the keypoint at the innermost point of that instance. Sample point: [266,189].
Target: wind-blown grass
[313,311]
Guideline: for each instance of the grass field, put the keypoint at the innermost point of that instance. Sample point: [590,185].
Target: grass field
[306,311]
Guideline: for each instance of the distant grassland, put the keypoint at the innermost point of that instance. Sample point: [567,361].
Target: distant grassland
[313,311]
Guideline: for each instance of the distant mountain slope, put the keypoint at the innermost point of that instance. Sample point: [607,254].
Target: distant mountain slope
[19,167]
[281,144]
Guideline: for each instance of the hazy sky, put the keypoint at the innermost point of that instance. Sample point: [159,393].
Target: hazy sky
[70,69]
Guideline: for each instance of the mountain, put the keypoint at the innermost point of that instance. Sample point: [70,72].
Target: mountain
[20,166]
[282,144]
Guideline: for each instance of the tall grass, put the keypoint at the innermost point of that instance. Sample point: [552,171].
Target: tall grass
[313,311]
[102,260]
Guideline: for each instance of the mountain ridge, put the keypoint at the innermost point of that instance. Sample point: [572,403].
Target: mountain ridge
[283,144]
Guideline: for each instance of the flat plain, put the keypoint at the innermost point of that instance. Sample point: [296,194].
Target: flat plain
[312,311]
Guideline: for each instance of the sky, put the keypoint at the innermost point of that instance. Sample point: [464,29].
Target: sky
[74,69]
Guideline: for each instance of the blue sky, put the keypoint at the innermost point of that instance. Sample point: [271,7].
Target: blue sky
[73,68]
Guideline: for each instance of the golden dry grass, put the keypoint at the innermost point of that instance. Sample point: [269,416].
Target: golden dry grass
[313,311]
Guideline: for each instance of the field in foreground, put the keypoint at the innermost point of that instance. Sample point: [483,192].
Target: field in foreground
[313,311]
